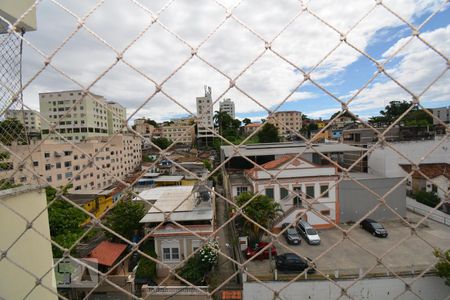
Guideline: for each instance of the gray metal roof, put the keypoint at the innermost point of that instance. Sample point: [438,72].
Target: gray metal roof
[286,148]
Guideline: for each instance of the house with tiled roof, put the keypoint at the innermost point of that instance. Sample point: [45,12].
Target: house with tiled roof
[430,177]
[299,184]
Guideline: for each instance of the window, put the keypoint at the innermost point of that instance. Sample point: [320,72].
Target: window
[241,189]
[283,193]
[171,254]
[68,175]
[59,176]
[47,154]
[324,189]
[67,164]
[434,188]
[269,192]
[48,167]
[58,165]
[310,191]
[170,250]
[35,163]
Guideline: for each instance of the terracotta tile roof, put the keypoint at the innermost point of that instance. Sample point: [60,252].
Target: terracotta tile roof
[253,125]
[431,170]
[107,253]
[273,164]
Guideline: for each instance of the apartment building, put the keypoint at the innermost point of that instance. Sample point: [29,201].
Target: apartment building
[227,106]
[205,115]
[77,119]
[30,119]
[183,121]
[442,113]
[59,163]
[181,134]
[284,119]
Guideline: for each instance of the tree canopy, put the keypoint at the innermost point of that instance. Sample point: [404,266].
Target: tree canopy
[246,121]
[124,218]
[262,209]
[268,134]
[162,143]
[12,130]
[228,127]
[151,122]
[393,111]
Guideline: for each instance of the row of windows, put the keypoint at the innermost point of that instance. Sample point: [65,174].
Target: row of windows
[309,191]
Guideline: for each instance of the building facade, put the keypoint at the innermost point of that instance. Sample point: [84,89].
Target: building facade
[180,134]
[250,128]
[30,202]
[443,114]
[298,182]
[205,115]
[30,119]
[59,163]
[91,115]
[228,106]
[284,119]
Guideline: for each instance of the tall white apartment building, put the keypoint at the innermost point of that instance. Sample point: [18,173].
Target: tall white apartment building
[205,115]
[30,119]
[228,106]
[284,119]
[91,116]
[61,163]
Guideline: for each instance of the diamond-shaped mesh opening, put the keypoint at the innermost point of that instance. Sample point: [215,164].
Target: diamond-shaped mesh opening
[138,178]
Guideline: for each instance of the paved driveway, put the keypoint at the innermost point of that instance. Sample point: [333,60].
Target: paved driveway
[347,258]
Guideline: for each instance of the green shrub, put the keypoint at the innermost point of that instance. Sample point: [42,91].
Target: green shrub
[428,198]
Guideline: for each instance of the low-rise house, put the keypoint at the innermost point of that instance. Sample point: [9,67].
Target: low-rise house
[250,128]
[93,201]
[187,214]
[439,173]
[298,182]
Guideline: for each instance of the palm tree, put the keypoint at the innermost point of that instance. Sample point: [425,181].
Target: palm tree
[263,210]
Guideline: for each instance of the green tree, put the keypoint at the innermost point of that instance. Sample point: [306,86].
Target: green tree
[443,264]
[268,134]
[428,198]
[147,268]
[227,126]
[162,143]
[207,164]
[124,218]
[6,184]
[262,209]
[151,122]
[345,114]
[64,219]
[246,121]
[12,130]
[394,110]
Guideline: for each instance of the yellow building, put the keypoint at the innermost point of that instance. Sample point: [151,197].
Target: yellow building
[93,201]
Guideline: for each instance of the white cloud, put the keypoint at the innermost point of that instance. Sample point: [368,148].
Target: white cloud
[231,48]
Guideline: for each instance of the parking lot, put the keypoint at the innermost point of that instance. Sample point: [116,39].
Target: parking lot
[348,259]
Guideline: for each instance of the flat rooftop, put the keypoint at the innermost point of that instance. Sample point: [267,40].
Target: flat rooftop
[168,178]
[286,148]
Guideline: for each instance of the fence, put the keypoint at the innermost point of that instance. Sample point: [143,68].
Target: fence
[275,59]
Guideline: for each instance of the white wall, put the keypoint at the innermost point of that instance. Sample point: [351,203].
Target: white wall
[430,288]
[32,251]
[442,183]
[384,161]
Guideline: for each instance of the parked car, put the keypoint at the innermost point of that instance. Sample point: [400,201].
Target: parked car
[293,262]
[291,235]
[308,232]
[250,252]
[375,228]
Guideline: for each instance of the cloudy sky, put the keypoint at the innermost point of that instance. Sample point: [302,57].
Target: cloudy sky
[158,38]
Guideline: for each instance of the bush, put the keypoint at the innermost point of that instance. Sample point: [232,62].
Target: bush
[428,198]
[443,264]
[147,267]
[198,266]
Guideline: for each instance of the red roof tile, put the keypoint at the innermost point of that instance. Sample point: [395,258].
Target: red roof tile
[107,253]
[430,170]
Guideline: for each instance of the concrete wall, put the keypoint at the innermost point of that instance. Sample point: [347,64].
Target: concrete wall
[32,251]
[384,161]
[356,201]
[431,288]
